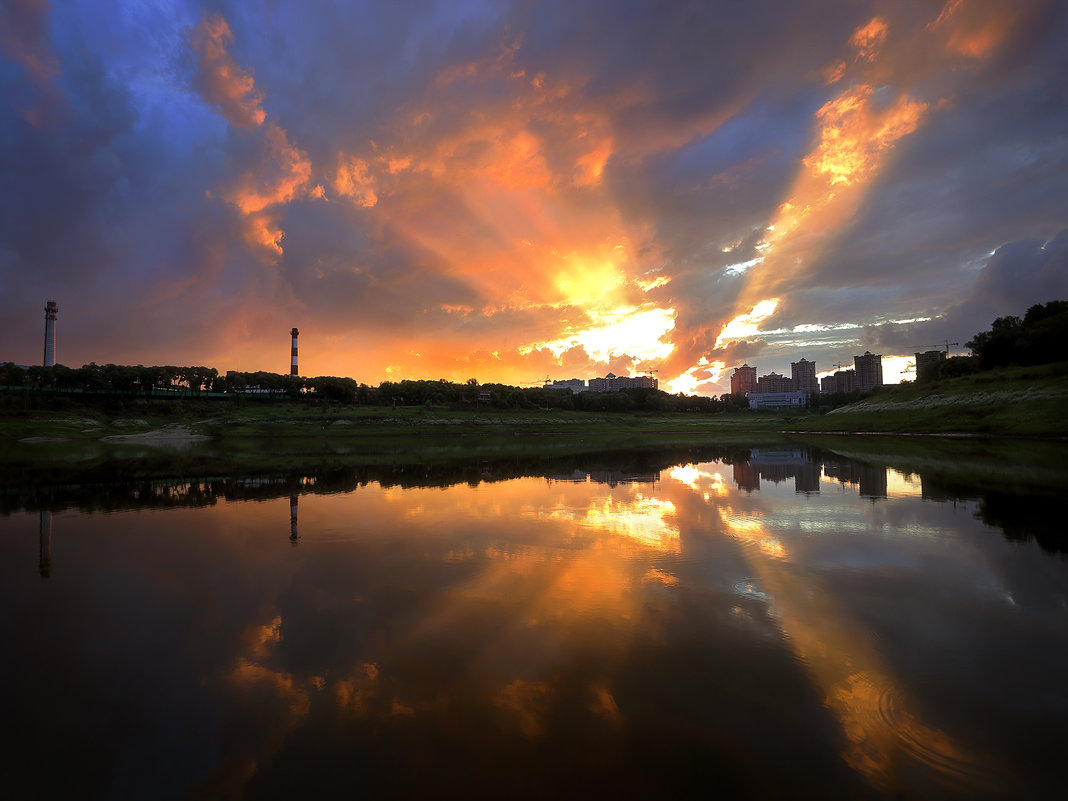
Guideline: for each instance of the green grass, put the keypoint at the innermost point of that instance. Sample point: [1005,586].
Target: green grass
[1018,401]
[1011,402]
[70,420]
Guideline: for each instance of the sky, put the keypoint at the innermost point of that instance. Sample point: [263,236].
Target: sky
[514,191]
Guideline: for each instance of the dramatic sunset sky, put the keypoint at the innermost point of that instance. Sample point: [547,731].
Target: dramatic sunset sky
[514,190]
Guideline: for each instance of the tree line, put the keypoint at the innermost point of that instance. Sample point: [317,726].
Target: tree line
[1038,337]
[191,382]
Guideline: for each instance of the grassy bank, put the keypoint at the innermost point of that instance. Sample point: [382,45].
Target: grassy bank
[69,419]
[1018,401]
[1030,401]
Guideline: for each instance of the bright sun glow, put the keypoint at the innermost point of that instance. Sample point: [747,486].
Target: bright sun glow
[631,330]
[746,325]
[894,369]
[702,372]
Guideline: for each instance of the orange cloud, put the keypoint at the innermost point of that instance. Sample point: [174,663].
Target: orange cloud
[868,39]
[975,29]
[220,80]
[505,206]
[833,74]
[262,231]
[853,134]
[353,179]
[856,132]
[284,171]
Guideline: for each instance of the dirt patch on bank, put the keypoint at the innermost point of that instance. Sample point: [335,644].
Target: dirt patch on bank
[162,436]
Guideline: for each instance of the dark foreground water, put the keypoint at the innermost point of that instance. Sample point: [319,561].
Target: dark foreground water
[772,623]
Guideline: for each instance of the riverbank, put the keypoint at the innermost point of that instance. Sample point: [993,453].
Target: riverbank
[1017,401]
[1031,402]
[159,420]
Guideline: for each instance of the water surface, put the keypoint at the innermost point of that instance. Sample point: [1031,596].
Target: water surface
[778,621]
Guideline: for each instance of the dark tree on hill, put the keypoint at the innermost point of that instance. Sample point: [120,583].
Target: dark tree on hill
[1038,338]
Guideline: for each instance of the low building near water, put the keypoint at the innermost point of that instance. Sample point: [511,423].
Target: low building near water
[777,400]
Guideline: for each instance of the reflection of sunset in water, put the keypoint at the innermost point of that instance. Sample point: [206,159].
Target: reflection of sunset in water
[903,485]
[871,708]
[709,483]
[751,531]
[793,621]
[580,556]
[645,521]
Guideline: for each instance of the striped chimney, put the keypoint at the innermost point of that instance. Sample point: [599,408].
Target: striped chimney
[293,362]
[50,334]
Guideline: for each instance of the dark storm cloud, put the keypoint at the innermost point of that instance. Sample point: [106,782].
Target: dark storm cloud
[988,167]
[1019,275]
[106,217]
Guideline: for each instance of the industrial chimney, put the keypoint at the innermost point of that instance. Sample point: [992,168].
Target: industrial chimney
[50,334]
[293,363]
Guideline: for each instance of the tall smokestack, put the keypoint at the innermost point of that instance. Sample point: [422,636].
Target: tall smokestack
[293,363]
[50,334]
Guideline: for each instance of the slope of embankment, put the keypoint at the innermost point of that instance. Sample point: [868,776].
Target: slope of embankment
[1015,401]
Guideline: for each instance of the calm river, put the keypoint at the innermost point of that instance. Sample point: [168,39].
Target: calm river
[777,622]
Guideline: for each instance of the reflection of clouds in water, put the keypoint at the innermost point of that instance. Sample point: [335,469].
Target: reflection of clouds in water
[643,520]
[868,703]
[527,702]
[751,530]
[583,561]
[708,482]
[647,522]
[654,576]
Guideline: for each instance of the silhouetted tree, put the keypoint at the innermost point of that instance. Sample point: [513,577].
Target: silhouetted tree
[1038,338]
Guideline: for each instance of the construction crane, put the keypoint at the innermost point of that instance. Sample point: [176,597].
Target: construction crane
[944,345]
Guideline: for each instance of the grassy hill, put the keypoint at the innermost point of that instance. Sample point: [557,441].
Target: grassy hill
[1020,401]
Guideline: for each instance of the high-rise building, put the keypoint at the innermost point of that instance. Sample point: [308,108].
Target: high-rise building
[773,382]
[841,381]
[743,380]
[869,368]
[924,371]
[847,380]
[804,376]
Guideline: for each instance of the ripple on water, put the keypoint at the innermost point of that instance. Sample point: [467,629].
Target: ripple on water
[748,588]
[880,727]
